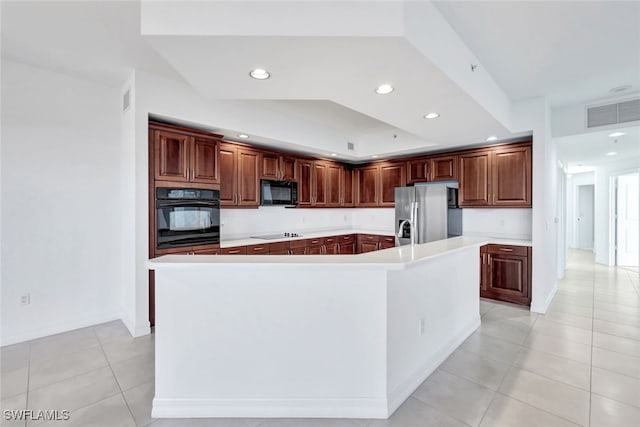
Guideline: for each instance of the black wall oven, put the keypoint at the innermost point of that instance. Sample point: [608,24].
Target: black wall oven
[187,217]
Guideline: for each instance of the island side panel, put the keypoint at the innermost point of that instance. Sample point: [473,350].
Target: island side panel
[258,340]
[433,306]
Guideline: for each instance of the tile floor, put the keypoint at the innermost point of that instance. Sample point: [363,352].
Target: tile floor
[577,365]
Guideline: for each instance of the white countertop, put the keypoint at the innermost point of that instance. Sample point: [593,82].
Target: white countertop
[303,235]
[387,259]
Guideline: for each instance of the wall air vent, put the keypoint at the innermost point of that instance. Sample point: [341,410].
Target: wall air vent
[611,114]
[350,146]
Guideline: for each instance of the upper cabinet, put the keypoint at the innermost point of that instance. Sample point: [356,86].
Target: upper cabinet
[323,184]
[184,158]
[278,167]
[418,170]
[496,177]
[347,186]
[443,168]
[240,180]
[376,183]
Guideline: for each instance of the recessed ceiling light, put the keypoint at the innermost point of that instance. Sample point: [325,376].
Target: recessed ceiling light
[243,136]
[492,138]
[334,154]
[384,89]
[616,134]
[431,116]
[611,153]
[620,88]
[375,156]
[260,74]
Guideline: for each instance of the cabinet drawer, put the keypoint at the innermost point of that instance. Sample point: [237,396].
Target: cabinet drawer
[388,239]
[257,249]
[238,250]
[278,246]
[331,240]
[507,249]
[347,238]
[316,242]
[369,237]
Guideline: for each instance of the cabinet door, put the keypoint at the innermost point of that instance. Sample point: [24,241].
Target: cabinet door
[204,161]
[418,170]
[288,169]
[319,184]
[347,248]
[248,187]
[387,242]
[171,154]
[443,168]
[270,166]
[334,185]
[304,182]
[347,187]
[331,248]
[474,179]
[391,176]
[511,177]
[314,250]
[367,186]
[228,175]
[507,278]
[365,247]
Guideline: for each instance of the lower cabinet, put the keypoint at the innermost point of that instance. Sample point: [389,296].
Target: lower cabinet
[505,273]
[368,243]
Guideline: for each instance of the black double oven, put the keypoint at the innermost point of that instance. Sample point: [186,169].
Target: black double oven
[187,217]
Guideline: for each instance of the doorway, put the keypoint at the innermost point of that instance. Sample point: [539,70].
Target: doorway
[627,207]
[584,217]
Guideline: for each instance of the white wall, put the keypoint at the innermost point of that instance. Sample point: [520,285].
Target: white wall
[61,202]
[603,205]
[587,178]
[503,223]
[534,114]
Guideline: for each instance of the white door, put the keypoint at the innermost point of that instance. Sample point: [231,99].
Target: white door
[584,219]
[627,206]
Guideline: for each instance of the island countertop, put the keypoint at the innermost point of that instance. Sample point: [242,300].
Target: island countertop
[393,258]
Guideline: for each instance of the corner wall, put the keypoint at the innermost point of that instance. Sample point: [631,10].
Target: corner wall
[61,210]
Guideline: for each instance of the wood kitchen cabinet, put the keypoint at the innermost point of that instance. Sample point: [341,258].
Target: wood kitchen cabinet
[367,186]
[312,183]
[368,243]
[386,242]
[443,168]
[418,170]
[496,177]
[347,187]
[505,273]
[185,158]
[335,186]
[331,245]
[305,170]
[239,168]
[376,183]
[278,167]
[392,175]
[347,244]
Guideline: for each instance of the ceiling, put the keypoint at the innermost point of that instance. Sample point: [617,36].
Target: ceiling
[569,51]
[579,51]
[590,149]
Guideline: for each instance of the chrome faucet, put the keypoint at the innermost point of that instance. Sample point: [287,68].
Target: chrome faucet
[412,232]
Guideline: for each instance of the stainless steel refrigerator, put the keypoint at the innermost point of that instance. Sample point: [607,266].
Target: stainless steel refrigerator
[429,210]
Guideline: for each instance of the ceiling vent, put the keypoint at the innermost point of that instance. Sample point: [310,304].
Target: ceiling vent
[611,114]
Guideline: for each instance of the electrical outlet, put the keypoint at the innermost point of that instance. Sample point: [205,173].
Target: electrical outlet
[25,299]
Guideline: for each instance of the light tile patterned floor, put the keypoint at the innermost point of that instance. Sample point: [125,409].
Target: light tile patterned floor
[577,365]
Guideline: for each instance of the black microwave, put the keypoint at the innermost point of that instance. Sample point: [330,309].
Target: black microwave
[278,193]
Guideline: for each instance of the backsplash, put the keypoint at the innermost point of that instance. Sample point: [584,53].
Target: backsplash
[503,223]
[241,223]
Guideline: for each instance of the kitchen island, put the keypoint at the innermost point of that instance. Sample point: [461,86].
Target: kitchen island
[345,336]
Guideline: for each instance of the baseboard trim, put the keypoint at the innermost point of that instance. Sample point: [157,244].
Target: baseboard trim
[58,328]
[136,329]
[542,308]
[408,386]
[270,408]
